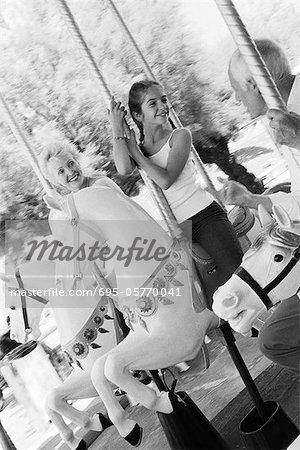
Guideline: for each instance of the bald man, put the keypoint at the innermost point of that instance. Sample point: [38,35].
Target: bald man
[279,338]
[286,125]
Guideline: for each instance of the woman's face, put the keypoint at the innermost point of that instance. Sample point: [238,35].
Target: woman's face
[65,171]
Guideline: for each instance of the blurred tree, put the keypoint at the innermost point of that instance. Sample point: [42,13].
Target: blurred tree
[45,80]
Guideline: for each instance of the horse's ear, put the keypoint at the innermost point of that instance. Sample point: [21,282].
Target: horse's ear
[264,216]
[284,220]
[282,217]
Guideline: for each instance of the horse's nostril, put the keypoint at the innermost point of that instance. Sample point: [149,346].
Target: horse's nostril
[228,302]
[211,271]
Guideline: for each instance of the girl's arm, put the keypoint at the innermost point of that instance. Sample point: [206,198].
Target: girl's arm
[181,142]
[123,161]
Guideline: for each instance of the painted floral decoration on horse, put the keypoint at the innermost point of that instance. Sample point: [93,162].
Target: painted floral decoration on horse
[159,288]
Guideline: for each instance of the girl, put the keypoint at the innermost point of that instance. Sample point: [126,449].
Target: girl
[165,155]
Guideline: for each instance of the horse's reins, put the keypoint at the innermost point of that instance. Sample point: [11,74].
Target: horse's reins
[263,292]
[23,294]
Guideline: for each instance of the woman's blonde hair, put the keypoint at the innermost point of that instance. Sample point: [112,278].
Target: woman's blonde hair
[54,150]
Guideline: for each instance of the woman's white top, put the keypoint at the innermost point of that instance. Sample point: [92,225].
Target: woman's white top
[185,196]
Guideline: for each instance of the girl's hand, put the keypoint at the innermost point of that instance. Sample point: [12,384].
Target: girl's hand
[117,114]
[133,148]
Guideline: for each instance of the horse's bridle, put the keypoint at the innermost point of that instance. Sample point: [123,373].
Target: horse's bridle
[263,292]
[23,294]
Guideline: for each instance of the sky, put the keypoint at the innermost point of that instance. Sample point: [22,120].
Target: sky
[205,16]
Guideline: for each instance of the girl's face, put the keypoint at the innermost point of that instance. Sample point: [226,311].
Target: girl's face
[66,172]
[154,107]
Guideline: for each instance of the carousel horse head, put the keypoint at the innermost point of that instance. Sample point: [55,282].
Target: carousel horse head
[268,274]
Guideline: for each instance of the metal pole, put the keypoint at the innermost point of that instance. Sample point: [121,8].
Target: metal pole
[22,140]
[157,193]
[78,38]
[252,57]
[147,68]
[248,50]
[243,370]
[148,71]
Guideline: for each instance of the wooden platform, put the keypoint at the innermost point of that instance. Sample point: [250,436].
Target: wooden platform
[274,383]
[219,393]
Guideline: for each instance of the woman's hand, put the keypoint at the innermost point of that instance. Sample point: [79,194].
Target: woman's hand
[117,113]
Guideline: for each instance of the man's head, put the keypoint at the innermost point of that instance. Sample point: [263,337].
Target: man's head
[243,82]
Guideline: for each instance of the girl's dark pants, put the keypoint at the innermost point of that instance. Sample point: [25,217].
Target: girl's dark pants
[213,231]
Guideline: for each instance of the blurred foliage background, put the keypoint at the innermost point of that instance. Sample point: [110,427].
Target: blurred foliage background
[54,95]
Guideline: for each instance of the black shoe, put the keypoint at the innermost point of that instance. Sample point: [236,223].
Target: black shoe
[105,421]
[142,376]
[147,380]
[82,445]
[134,438]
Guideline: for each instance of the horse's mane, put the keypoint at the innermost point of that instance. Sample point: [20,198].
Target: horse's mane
[277,234]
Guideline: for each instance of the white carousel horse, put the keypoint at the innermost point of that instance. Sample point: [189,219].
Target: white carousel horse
[269,273]
[155,291]
[87,331]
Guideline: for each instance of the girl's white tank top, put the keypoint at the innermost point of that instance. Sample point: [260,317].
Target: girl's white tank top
[185,196]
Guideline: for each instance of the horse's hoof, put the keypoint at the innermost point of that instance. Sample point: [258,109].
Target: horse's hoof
[105,421]
[119,392]
[134,438]
[82,445]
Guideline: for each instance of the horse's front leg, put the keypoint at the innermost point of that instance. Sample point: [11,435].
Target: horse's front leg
[77,386]
[127,428]
[65,432]
[124,358]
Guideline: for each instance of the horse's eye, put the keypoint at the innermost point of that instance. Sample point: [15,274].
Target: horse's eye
[12,307]
[278,258]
